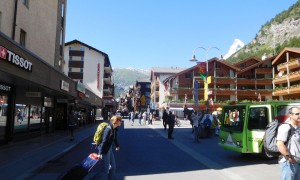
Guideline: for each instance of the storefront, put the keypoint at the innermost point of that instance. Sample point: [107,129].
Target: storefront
[30,90]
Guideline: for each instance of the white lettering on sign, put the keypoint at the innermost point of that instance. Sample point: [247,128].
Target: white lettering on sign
[15,59]
[4,88]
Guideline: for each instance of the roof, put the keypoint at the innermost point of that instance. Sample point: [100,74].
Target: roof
[257,64]
[166,69]
[295,50]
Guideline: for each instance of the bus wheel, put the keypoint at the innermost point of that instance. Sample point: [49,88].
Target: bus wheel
[266,155]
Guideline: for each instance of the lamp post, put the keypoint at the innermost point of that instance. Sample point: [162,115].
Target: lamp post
[206,73]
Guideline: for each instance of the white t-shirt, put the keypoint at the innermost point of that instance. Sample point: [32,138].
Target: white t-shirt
[195,119]
[294,144]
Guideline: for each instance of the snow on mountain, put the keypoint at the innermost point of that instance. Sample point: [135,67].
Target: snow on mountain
[236,45]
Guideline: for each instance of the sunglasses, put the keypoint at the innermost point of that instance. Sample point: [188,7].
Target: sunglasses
[297,114]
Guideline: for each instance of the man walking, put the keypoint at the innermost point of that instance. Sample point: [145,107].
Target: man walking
[288,143]
[171,123]
[165,118]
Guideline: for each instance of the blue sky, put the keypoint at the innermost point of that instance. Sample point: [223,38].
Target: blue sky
[163,33]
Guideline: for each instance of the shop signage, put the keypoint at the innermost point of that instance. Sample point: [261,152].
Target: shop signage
[64,85]
[80,87]
[15,59]
[33,94]
[98,76]
[5,88]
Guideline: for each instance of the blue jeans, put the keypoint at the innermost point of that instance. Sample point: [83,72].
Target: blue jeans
[108,166]
[290,171]
[196,134]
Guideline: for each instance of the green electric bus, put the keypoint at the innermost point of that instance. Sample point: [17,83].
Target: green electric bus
[243,125]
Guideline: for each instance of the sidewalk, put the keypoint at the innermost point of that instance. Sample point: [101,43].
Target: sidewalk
[19,159]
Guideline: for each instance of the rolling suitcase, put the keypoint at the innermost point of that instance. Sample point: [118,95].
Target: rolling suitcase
[79,171]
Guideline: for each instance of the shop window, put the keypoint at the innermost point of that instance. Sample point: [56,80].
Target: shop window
[3,115]
[21,118]
[35,117]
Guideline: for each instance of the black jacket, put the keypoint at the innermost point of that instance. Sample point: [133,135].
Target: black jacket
[109,137]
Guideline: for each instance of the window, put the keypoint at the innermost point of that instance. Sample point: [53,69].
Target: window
[81,48]
[22,38]
[81,70]
[188,75]
[70,69]
[71,58]
[70,48]
[82,58]
[61,43]
[25,2]
[258,118]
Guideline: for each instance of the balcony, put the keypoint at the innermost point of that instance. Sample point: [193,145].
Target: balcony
[280,91]
[264,71]
[294,89]
[242,81]
[107,68]
[223,80]
[107,78]
[279,80]
[264,81]
[106,89]
[294,76]
[291,65]
[224,91]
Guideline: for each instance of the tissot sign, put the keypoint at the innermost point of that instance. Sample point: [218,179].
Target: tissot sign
[15,59]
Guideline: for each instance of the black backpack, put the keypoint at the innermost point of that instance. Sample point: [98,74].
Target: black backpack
[270,138]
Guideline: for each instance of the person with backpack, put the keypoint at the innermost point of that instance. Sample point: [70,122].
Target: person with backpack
[108,166]
[288,143]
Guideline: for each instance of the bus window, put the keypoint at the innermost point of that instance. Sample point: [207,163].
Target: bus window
[233,117]
[258,118]
[283,113]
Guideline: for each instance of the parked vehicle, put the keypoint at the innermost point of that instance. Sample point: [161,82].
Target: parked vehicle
[243,125]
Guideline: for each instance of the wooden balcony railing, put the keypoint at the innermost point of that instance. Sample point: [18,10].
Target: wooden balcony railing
[291,65]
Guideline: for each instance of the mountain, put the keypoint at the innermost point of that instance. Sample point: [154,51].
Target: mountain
[281,31]
[236,45]
[124,77]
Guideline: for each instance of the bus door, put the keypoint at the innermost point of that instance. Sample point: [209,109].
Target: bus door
[258,119]
[232,128]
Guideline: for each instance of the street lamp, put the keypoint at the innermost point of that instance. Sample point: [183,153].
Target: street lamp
[206,60]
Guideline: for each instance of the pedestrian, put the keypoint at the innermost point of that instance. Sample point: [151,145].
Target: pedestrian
[171,124]
[165,118]
[195,118]
[21,116]
[72,123]
[216,125]
[289,161]
[144,115]
[110,137]
[206,121]
[151,118]
[140,118]
[132,118]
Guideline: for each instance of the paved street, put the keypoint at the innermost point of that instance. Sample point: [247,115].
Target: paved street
[146,153]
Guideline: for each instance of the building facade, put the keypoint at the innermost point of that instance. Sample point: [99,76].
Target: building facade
[35,94]
[92,69]
[157,77]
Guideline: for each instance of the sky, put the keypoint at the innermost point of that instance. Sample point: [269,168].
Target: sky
[164,33]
